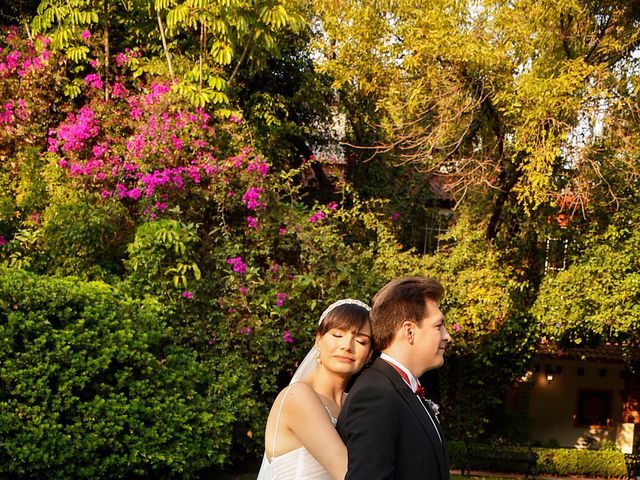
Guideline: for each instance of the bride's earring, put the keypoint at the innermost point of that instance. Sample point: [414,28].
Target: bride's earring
[318,356]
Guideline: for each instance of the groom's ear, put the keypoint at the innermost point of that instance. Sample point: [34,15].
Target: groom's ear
[407,330]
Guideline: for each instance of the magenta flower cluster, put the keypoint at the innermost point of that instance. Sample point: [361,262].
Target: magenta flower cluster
[252,222]
[237,264]
[123,58]
[316,217]
[75,131]
[258,166]
[286,337]
[321,214]
[9,113]
[12,61]
[162,151]
[93,80]
[281,297]
[251,198]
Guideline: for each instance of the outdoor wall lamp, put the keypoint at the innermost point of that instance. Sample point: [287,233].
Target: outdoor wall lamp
[549,373]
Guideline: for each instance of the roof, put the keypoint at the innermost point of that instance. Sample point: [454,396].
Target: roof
[606,352]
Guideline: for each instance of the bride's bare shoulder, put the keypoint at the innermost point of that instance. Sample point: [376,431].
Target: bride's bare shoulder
[300,397]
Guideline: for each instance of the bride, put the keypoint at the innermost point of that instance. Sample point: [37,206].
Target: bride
[301,441]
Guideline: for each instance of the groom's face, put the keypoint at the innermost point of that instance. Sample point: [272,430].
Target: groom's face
[431,337]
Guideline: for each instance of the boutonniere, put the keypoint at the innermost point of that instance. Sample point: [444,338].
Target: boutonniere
[435,408]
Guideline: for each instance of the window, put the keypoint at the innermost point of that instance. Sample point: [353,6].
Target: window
[555,259]
[437,223]
[593,408]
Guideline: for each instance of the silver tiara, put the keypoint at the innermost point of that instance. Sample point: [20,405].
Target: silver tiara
[344,301]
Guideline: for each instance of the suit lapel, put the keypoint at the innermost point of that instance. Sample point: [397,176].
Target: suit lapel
[414,404]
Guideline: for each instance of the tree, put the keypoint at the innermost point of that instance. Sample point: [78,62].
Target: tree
[502,98]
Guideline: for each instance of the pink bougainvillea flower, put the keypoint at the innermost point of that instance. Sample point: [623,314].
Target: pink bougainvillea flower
[252,222]
[121,59]
[332,206]
[242,290]
[286,337]
[237,264]
[187,295]
[251,198]
[76,129]
[245,330]
[456,327]
[100,149]
[316,217]
[395,216]
[258,166]
[86,34]
[3,241]
[282,230]
[118,90]
[281,296]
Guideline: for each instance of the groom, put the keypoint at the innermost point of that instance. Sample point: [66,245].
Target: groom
[389,430]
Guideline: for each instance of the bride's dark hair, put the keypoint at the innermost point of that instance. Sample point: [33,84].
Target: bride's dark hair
[347,316]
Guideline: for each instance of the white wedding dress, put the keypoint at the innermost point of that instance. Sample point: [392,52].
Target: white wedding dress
[297,464]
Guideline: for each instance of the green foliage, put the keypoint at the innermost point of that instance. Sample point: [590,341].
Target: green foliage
[598,297]
[231,33]
[201,214]
[551,461]
[499,98]
[588,463]
[159,257]
[66,20]
[82,236]
[94,385]
[492,337]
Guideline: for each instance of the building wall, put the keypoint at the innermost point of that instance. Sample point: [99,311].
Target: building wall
[554,405]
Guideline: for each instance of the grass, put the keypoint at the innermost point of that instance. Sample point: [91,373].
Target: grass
[252,476]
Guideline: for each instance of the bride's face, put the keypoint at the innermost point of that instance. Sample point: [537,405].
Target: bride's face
[345,351]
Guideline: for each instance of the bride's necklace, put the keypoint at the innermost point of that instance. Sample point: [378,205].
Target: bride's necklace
[334,420]
[325,403]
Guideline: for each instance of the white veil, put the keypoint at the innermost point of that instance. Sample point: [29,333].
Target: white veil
[309,363]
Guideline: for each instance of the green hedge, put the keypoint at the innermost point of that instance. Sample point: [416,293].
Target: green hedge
[551,461]
[590,463]
[92,386]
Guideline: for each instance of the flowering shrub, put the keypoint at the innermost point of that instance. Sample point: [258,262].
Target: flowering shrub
[176,203]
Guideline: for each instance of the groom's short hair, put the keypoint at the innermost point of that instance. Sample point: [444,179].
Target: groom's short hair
[400,300]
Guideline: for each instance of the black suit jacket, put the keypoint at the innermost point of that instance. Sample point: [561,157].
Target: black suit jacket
[387,431]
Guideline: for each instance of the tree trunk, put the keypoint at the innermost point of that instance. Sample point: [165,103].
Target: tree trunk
[164,45]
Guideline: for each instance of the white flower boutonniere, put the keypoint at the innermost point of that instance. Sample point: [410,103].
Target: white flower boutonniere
[435,408]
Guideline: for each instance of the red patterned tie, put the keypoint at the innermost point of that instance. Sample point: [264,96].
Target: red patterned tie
[419,389]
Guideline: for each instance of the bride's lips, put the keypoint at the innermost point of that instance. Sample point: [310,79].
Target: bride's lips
[344,359]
